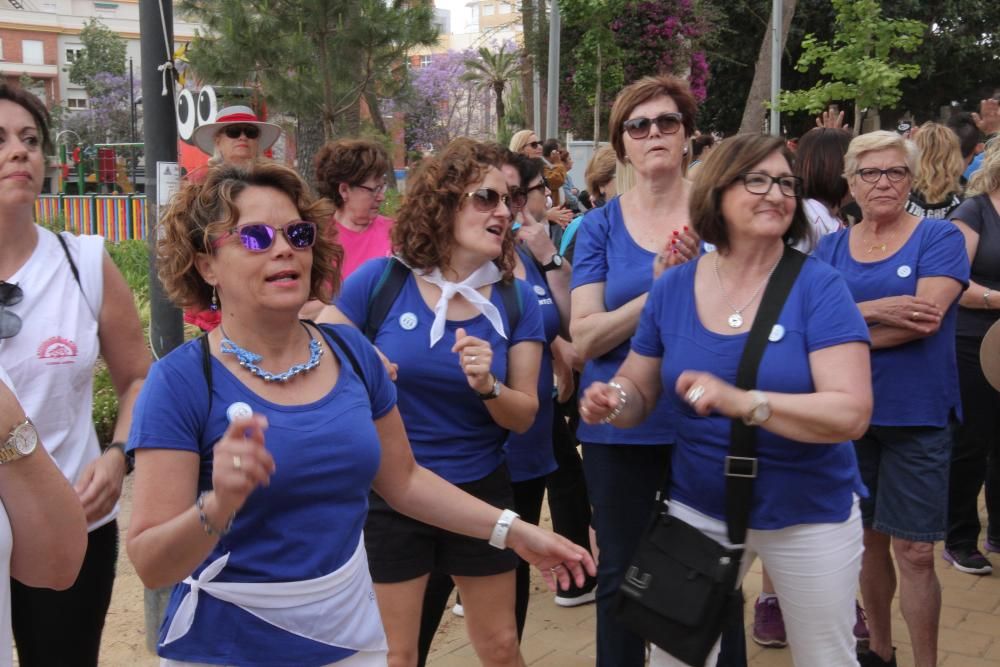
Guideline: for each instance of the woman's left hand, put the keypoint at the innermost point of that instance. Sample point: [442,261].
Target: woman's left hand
[706,393]
[100,485]
[475,357]
[682,247]
[561,562]
[535,237]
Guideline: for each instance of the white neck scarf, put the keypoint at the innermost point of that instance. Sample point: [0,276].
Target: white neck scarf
[487,274]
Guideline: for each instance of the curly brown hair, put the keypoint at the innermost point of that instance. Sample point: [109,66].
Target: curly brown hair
[424,232]
[350,161]
[201,212]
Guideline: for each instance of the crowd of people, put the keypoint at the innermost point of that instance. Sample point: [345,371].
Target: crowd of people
[377,408]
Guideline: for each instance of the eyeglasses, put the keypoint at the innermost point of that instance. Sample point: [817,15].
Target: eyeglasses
[10,323]
[249,131]
[666,123]
[487,199]
[872,175]
[259,236]
[760,184]
[378,190]
[534,144]
[518,197]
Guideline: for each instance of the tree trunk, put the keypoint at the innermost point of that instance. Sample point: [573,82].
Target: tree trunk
[498,91]
[309,137]
[371,100]
[760,89]
[597,102]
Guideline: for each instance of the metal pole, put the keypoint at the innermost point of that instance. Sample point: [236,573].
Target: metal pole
[776,10]
[131,98]
[536,87]
[552,107]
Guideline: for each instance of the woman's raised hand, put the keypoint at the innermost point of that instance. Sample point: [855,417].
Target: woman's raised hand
[682,247]
[475,358]
[240,463]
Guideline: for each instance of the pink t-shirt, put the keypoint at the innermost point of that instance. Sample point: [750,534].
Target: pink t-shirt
[359,247]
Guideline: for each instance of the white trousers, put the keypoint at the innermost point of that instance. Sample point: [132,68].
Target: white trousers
[815,570]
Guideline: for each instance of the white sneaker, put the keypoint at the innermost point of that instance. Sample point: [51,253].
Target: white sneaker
[458,610]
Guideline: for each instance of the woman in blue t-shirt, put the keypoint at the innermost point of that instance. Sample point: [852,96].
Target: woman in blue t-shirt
[466,340]
[906,274]
[812,396]
[257,445]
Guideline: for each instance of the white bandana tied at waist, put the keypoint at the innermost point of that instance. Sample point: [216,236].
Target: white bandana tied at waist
[487,274]
[337,609]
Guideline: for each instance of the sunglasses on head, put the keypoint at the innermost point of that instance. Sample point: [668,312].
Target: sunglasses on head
[249,131]
[666,123]
[259,236]
[10,323]
[487,199]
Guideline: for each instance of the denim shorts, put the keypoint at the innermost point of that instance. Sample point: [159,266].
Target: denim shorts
[906,471]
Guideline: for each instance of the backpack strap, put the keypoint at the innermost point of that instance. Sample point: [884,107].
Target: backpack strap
[334,338]
[386,291]
[512,303]
[206,366]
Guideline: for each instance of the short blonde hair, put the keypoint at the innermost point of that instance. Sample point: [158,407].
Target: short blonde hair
[941,165]
[601,169]
[520,140]
[986,180]
[878,141]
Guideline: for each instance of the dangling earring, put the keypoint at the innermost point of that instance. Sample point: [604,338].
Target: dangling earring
[215,300]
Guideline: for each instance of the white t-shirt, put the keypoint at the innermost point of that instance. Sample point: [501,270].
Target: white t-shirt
[6,548]
[821,223]
[51,360]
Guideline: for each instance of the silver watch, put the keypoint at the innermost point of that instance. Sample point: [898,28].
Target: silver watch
[760,409]
[21,441]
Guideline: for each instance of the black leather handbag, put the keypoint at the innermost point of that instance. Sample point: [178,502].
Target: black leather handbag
[682,584]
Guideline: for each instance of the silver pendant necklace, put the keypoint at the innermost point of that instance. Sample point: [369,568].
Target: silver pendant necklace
[736,319]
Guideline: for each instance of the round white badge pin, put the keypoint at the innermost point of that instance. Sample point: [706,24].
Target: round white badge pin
[904,271]
[238,410]
[408,321]
[777,333]
[539,290]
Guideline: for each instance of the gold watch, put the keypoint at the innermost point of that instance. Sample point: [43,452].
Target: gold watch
[21,441]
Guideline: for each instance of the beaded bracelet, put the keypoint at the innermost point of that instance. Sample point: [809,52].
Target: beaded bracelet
[200,504]
[622,402]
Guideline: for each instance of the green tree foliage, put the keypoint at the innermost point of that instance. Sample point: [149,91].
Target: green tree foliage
[860,63]
[103,52]
[494,71]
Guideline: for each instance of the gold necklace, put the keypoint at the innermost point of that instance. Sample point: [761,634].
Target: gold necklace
[881,247]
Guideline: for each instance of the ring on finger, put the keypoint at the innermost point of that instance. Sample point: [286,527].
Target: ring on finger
[915,315]
[695,394]
[471,359]
[237,462]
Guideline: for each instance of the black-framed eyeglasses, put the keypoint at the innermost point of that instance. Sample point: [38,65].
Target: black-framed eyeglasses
[10,323]
[248,131]
[667,123]
[757,183]
[872,175]
[378,190]
[259,236]
[487,199]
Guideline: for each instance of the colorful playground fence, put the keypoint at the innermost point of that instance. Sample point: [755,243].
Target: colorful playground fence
[115,217]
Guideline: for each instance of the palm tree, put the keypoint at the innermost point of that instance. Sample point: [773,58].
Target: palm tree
[493,71]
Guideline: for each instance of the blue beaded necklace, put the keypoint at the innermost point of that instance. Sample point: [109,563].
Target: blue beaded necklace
[248,359]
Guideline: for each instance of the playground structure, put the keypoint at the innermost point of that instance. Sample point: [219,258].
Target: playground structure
[115,217]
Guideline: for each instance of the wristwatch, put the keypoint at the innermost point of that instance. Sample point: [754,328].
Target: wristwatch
[492,393]
[760,409]
[555,263]
[21,441]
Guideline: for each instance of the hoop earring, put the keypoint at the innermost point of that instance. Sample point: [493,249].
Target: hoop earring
[215,300]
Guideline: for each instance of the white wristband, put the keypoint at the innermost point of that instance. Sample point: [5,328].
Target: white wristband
[499,537]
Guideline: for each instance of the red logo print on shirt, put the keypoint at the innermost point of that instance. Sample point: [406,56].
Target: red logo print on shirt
[57,350]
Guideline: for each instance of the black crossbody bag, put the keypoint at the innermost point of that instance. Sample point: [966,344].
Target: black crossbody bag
[681,584]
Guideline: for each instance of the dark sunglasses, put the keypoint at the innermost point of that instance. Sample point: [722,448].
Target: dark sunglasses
[538,186]
[487,199]
[10,323]
[666,123]
[249,131]
[757,183]
[259,236]
[518,197]
[535,144]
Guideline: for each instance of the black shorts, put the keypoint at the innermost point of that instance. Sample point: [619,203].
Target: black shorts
[400,548]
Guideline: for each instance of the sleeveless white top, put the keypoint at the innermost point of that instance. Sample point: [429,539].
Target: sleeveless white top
[51,360]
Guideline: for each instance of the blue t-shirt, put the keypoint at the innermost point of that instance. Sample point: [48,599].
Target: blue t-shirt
[916,383]
[305,524]
[796,482]
[529,454]
[607,253]
[450,429]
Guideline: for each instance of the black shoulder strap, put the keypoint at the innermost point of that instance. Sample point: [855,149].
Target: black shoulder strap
[206,366]
[69,258]
[512,304]
[386,291]
[741,463]
[333,337]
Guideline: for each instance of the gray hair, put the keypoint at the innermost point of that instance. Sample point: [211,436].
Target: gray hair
[879,141]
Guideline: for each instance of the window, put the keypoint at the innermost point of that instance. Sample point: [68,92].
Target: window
[72,53]
[489,9]
[32,52]
[76,103]
[505,8]
[425,61]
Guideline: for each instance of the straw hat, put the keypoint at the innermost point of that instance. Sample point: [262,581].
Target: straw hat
[989,355]
[204,136]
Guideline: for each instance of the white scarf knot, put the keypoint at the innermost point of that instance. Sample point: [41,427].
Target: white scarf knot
[487,274]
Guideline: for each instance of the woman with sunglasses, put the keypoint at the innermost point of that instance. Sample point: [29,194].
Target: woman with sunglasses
[906,274]
[618,247]
[64,303]
[526,143]
[467,340]
[257,445]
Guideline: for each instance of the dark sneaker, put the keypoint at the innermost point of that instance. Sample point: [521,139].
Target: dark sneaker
[860,627]
[574,596]
[970,561]
[768,624]
[872,659]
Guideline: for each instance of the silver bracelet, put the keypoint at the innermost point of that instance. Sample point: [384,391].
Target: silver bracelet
[622,402]
[203,518]
[986,298]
